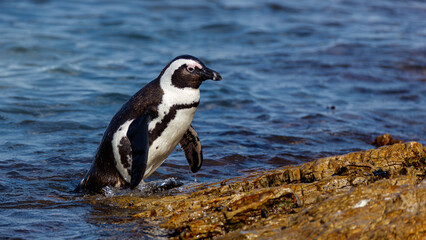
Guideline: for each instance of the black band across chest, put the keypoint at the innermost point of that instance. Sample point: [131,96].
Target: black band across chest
[160,126]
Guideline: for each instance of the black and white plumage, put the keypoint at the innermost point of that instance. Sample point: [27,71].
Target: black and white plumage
[149,126]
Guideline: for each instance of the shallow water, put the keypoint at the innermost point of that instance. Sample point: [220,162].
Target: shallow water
[301,80]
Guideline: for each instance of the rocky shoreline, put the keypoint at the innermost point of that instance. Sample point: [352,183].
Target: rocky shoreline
[374,194]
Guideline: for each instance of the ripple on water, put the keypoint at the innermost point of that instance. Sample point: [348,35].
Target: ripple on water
[40,127]
[280,7]
[4,187]
[301,31]
[278,139]
[280,161]
[237,132]
[346,49]
[220,28]
[132,36]
[64,70]
[111,98]
[17,175]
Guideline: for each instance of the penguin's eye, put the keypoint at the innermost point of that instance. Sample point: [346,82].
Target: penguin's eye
[190,69]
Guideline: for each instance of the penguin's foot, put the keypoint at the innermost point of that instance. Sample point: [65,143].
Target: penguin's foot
[149,188]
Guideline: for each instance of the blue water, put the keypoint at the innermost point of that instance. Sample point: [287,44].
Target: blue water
[301,80]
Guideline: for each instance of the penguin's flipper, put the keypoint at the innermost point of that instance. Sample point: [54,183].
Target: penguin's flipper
[191,145]
[138,136]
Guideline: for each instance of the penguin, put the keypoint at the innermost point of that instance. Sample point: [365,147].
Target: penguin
[149,126]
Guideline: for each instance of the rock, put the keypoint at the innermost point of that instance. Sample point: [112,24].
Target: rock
[382,210]
[385,139]
[374,194]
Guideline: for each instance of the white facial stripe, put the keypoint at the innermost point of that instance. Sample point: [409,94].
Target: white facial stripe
[116,138]
[194,65]
[167,76]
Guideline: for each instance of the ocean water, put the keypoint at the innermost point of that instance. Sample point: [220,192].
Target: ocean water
[301,80]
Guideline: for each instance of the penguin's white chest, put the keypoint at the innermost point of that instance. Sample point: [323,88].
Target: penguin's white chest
[164,144]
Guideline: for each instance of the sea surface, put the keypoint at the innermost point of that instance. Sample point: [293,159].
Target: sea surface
[301,80]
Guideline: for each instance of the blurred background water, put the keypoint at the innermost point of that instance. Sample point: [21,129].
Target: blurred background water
[301,80]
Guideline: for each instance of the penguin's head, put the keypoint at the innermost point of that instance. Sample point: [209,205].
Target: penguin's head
[187,72]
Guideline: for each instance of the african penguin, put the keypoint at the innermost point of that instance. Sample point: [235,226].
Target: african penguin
[149,126]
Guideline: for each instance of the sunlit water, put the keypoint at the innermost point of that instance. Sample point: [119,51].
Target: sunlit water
[301,80]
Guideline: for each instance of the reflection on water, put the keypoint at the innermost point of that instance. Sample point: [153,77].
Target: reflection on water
[301,80]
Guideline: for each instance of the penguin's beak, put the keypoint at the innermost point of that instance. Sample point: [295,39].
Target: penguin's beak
[207,73]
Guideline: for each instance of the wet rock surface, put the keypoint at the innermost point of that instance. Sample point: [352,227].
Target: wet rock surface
[374,194]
